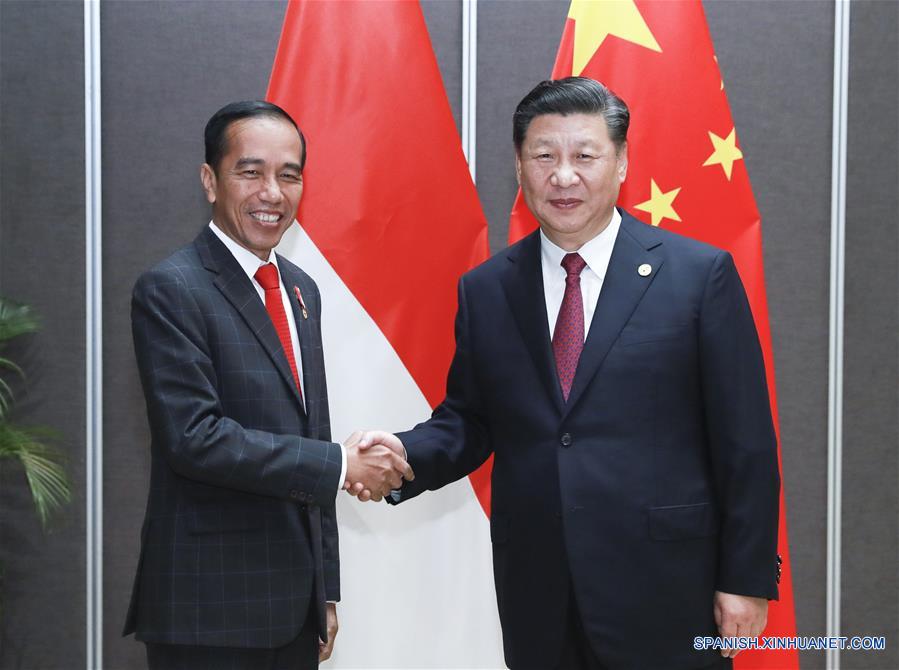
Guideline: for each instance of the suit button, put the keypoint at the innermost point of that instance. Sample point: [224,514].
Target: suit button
[566,440]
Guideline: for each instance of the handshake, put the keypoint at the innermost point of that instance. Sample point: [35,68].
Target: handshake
[375,464]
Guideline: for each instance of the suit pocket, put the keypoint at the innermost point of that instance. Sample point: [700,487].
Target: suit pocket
[631,336]
[210,519]
[682,522]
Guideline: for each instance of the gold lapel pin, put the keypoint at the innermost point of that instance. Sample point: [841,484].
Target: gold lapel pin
[296,290]
[644,270]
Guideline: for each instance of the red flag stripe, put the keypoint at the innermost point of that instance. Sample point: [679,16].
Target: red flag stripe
[388,197]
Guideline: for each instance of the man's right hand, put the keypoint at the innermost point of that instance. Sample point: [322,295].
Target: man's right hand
[375,464]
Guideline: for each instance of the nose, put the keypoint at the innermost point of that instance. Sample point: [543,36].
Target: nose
[564,175]
[271,191]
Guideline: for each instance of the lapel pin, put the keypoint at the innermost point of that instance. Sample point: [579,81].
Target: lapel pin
[296,290]
[644,270]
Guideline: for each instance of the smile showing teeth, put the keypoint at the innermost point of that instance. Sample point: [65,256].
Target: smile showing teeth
[265,218]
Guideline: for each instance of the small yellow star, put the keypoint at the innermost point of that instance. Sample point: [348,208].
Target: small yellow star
[594,20]
[719,73]
[725,153]
[659,205]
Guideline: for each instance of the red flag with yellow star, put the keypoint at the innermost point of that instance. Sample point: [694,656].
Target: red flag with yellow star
[685,169]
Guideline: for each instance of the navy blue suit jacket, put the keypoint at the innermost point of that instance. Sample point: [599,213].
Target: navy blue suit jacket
[655,485]
[240,534]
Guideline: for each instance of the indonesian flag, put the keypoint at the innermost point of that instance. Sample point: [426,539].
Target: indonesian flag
[685,169]
[388,222]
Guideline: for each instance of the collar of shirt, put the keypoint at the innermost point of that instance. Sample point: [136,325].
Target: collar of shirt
[595,252]
[249,261]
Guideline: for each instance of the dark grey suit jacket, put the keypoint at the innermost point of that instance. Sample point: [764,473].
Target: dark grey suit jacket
[240,532]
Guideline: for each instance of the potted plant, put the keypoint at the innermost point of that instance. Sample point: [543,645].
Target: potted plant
[42,465]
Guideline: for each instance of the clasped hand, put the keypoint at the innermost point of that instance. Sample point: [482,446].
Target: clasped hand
[376,464]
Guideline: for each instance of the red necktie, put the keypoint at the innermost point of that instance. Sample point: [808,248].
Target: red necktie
[568,337]
[267,276]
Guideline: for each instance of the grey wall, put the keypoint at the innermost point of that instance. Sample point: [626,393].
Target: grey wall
[168,65]
[871,406]
[42,263]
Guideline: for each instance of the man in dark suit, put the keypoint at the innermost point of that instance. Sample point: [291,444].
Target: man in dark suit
[614,371]
[239,562]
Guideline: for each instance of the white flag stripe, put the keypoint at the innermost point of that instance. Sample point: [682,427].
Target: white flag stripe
[417,579]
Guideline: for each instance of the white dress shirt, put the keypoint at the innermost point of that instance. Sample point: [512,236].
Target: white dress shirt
[596,253]
[250,263]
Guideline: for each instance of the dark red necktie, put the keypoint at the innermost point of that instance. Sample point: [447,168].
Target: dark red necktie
[267,276]
[568,336]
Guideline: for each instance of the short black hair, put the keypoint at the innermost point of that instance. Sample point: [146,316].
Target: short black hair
[572,95]
[217,127]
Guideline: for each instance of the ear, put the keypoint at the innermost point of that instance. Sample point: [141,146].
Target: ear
[622,163]
[207,178]
[518,167]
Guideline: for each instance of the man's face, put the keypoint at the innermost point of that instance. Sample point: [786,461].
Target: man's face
[257,186]
[570,174]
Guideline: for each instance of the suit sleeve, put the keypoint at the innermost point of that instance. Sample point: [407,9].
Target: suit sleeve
[185,413]
[742,442]
[455,441]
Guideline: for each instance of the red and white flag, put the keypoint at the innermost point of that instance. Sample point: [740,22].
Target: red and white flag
[685,169]
[389,221]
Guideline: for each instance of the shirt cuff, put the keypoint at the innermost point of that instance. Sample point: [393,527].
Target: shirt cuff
[342,468]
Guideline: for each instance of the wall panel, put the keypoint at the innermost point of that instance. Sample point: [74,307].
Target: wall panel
[870,556]
[42,263]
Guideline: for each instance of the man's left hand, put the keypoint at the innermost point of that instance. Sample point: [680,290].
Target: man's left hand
[739,616]
[325,648]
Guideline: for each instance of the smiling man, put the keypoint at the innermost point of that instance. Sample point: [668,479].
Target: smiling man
[239,559]
[614,371]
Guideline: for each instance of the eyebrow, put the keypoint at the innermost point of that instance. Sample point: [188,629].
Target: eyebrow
[244,162]
[247,161]
[578,141]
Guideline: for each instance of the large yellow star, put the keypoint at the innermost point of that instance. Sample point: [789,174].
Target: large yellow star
[725,153]
[594,20]
[659,205]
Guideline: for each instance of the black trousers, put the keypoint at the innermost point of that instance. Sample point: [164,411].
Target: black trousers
[300,654]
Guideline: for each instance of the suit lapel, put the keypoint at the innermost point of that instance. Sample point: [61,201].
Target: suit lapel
[237,288]
[523,285]
[622,289]
[307,333]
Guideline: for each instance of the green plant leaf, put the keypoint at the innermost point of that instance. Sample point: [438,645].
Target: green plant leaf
[16,319]
[43,466]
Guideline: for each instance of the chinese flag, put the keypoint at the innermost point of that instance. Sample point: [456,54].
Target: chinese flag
[389,220]
[686,170]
